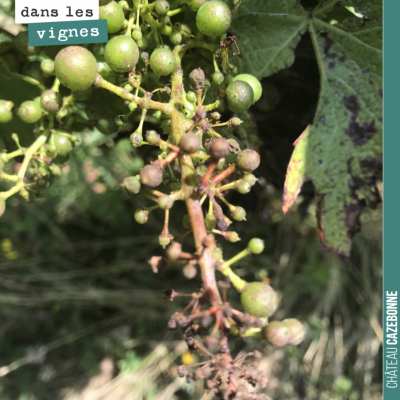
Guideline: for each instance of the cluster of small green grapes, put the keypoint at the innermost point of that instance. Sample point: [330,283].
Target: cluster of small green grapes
[195,162]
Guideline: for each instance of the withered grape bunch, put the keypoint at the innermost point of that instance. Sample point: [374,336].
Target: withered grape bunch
[144,63]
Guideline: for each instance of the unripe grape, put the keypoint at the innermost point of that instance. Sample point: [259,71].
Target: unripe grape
[162,61]
[136,139]
[6,114]
[277,333]
[219,148]
[248,160]
[2,205]
[175,38]
[113,13]
[218,78]
[191,97]
[259,299]
[132,106]
[234,237]
[164,240]
[165,19]
[174,251]
[106,125]
[55,170]
[239,95]
[161,7]
[143,44]
[236,121]
[51,101]
[43,171]
[121,53]
[63,145]
[211,221]
[197,79]
[188,113]
[243,187]
[21,42]
[213,18]
[30,112]
[296,331]
[189,271]
[239,214]
[250,179]
[131,185]
[165,202]
[253,82]
[186,222]
[256,246]
[189,143]
[194,5]
[141,216]
[217,254]
[47,66]
[76,68]
[137,34]
[152,137]
[151,175]
[105,71]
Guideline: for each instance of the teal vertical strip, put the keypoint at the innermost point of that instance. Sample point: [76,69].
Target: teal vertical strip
[391,210]
[67,33]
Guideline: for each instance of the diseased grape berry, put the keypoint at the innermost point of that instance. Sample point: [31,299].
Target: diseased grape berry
[131,185]
[76,68]
[296,331]
[211,221]
[141,216]
[47,66]
[189,143]
[218,78]
[165,202]
[213,18]
[30,112]
[6,114]
[247,160]
[113,13]
[276,333]
[51,101]
[153,138]
[259,299]
[121,53]
[256,245]
[63,145]
[137,34]
[239,214]
[161,7]
[151,175]
[162,61]
[194,5]
[189,271]
[174,251]
[21,42]
[219,148]
[175,37]
[197,79]
[136,139]
[191,97]
[239,96]
[253,82]
[106,125]
[186,222]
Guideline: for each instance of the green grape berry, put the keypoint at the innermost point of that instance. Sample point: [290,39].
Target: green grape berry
[164,240]
[55,170]
[186,222]
[213,18]
[239,95]
[296,331]
[106,125]
[30,112]
[47,66]
[253,82]
[250,179]
[256,246]
[276,333]
[131,185]
[151,175]
[239,214]
[165,202]
[105,71]
[188,113]
[175,38]
[51,101]
[63,145]
[259,299]
[162,61]
[247,160]
[191,97]
[210,221]
[43,171]
[141,216]
[136,139]
[137,34]
[121,53]
[76,67]
[243,187]
[194,5]
[218,78]
[143,43]
[175,186]
[161,7]
[6,114]
[113,13]
[153,138]
[21,42]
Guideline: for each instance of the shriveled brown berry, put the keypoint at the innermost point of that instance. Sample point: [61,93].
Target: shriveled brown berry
[197,79]
[296,331]
[174,251]
[277,333]
[248,160]
[190,143]
[219,148]
[151,175]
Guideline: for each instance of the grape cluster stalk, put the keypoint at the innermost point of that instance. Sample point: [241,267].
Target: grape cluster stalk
[196,164]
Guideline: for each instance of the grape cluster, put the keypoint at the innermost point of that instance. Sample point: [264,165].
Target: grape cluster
[195,165]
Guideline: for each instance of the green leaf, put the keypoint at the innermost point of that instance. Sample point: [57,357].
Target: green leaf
[268,32]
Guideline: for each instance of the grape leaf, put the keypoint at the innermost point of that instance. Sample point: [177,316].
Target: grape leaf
[268,32]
